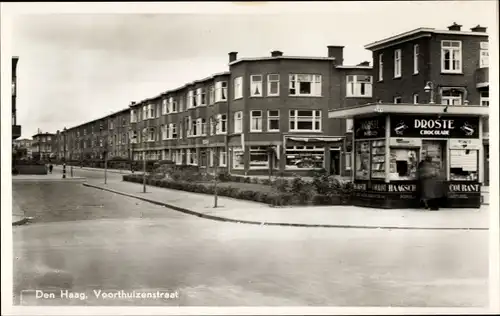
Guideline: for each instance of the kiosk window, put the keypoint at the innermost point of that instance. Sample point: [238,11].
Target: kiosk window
[362,159]
[463,164]
[403,164]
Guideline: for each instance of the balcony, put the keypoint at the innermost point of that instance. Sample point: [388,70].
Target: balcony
[16,131]
[482,77]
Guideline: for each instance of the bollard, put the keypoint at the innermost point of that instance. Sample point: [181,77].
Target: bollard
[64,171]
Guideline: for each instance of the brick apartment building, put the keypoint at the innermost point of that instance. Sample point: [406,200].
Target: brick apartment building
[23,144]
[453,64]
[268,112]
[42,146]
[92,139]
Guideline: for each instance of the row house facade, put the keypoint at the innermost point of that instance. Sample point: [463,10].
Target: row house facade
[268,113]
[92,140]
[42,146]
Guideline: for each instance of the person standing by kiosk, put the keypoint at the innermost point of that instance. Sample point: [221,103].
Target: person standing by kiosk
[431,184]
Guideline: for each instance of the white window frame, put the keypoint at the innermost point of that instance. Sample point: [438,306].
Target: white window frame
[273,79]
[271,118]
[221,122]
[397,63]
[314,80]
[165,109]
[447,46]
[484,59]
[484,99]
[415,98]
[173,130]
[222,159]
[211,157]
[235,153]
[381,67]
[256,84]
[238,87]
[220,91]
[255,121]
[189,99]
[348,161]
[238,122]
[211,94]
[164,132]
[212,126]
[452,100]
[416,54]
[295,118]
[396,99]
[354,86]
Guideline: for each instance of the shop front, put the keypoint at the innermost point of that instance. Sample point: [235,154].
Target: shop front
[389,142]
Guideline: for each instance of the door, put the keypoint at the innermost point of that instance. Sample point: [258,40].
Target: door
[335,162]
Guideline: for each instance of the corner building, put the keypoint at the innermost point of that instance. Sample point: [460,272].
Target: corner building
[268,113]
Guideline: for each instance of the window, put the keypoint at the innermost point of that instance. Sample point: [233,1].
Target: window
[191,157]
[256,85]
[484,60]
[485,98]
[212,126]
[397,100]
[201,97]
[452,97]
[464,164]
[305,120]
[304,157]
[359,86]
[210,157]
[348,160]
[222,158]
[403,164]
[415,98]
[362,151]
[190,99]
[133,116]
[151,135]
[349,125]
[305,85]
[259,158]
[144,113]
[194,127]
[397,63]
[273,121]
[195,96]
[221,127]
[133,137]
[451,56]
[238,158]
[220,91]
[181,104]
[151,112]
[256,121]
[273,85]
[211,95]
[111,124]
[415,58]
[100,142]
[238,122]
[173,130]
[381,67]
[238,87]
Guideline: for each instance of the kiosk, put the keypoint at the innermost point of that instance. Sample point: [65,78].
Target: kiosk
[389,141]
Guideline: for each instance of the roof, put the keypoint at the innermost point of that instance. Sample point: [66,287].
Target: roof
[43,134]
[354,67]
[416,33]
[213,76]
[280,57]
[99,119]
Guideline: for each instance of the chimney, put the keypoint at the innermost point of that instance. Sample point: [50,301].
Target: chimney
[336,52]
[479,28]
[365,63]
[276,53]
[233,56]
[454,27]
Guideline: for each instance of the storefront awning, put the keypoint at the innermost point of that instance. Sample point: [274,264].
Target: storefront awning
[315,139]
[388,108]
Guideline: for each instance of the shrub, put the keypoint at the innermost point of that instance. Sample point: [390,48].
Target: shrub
[321,199]
[224,176]
[281,185]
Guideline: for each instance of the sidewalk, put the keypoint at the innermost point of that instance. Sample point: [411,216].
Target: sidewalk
[120,171]
[233,210]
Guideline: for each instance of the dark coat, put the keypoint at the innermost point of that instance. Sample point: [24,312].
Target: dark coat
[431,182]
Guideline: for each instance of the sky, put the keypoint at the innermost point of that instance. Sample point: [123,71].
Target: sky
[85,63]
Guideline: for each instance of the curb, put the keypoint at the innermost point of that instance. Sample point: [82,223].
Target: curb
[20,222]
[224,219]
[102,169]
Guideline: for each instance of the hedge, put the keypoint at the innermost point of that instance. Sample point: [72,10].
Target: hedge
[273,198]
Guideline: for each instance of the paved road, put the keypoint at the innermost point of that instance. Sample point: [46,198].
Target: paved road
[84,239]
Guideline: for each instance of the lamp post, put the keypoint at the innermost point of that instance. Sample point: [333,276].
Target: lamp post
[64,158]
[429,87]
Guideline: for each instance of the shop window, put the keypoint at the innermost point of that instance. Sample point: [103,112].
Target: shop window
[403,163]
[362,160]
[259,158]
[378,159]
[238,158]
[463,164]
[303,158]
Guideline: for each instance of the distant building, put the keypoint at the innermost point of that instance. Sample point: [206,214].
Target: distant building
[23,144]
[42,146]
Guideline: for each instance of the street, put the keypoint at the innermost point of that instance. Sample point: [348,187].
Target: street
[83,239]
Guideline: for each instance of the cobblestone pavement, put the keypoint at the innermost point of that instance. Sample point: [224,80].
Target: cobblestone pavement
[83,239]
